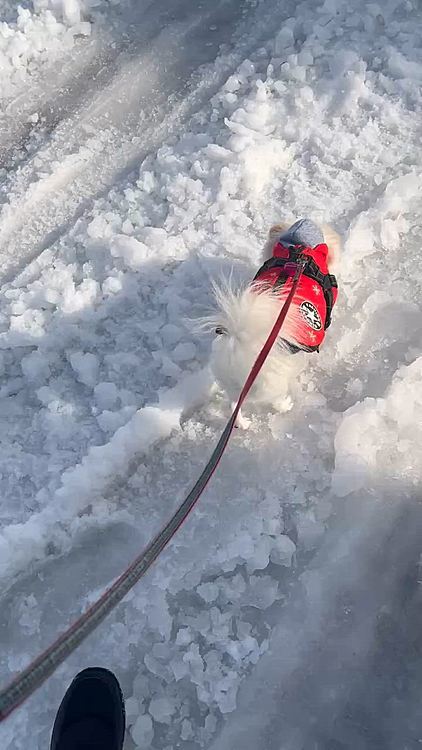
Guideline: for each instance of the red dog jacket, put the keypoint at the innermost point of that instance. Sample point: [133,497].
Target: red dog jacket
[315,295]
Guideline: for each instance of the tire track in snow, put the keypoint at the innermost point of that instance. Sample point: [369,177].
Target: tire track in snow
[147,93]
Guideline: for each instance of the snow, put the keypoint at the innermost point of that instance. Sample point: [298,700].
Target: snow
[162,710]
[261,592]
[142,731]
[35,367]
[132,252]
[102,463]
[106,395]
[381,430]
[85,366]
[264,617]
[38,35]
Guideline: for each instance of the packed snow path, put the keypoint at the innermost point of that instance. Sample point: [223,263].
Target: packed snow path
[287,612]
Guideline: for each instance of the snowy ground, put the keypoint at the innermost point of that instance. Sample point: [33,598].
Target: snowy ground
[286,614]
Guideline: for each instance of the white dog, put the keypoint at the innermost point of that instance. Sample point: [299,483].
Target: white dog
[246,316]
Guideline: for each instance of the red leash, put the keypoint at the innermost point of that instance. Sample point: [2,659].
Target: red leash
[44,665]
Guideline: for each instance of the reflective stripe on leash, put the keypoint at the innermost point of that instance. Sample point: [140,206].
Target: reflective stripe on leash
[27,681]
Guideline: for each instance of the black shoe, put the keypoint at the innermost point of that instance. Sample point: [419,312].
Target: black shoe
[91,715]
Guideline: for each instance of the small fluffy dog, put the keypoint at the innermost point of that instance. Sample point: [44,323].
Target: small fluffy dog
[246,316]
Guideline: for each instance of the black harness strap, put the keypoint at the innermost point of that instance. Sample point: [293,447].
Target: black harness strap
[294,349]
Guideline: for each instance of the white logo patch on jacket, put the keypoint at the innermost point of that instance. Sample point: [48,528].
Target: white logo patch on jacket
[311,315]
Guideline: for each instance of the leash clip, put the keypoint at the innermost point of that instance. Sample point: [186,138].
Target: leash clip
[290,269]
[300,266]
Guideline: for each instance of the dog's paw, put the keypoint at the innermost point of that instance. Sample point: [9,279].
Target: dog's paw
[242,423]
[283,405]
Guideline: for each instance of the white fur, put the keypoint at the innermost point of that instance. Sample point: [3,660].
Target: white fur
[247,318]
[333,242]
[275,232]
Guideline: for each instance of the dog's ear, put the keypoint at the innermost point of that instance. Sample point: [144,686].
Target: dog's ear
[277,230]
[273,236]
[334,244]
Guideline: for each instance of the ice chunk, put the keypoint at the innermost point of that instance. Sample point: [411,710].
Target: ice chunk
[194,660]
[45,395]
[221,625]
[105,395]
[239,649]
[186,733]
[214,151]
[142,689]
[297,73]
[260,557]
[284,40]
[211,724]
[309,529]
[184,352]
[35,367]
[230,99]
[132,252]
[208,591]
[306,94]
[231,588]
[162,709]
[283,550]
[98,228]
[232,84]
[246,69]
[389,234]
[159,616]
[169,368]
[171,334]
[132,709]
[86,367]
[71,10]
[154,237]
[179,668]
[305,58]
[261,592]
[147,181]
[111,285]
[184,637]
[154,666]
[27,327]
[81,297]
[142,731]
[226,692]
